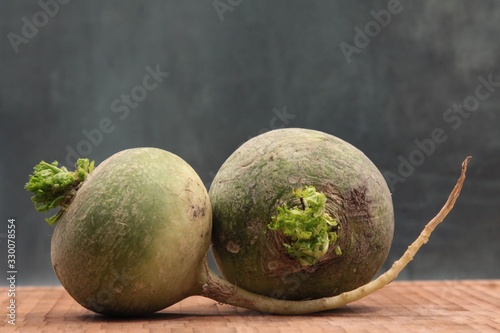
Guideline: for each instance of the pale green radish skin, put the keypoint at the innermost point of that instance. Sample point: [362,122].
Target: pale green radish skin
[134,237]
[260,176]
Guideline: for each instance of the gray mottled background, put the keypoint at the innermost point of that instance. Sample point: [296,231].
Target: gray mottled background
[238,68]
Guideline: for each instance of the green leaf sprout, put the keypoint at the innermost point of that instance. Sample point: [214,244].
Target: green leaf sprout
[55,186]
[310,229]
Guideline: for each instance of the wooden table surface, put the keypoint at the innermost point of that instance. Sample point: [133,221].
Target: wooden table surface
[423,306]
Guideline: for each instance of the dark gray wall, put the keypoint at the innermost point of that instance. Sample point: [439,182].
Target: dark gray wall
[232,69]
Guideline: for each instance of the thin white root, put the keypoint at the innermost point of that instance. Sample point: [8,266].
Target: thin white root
[222,291]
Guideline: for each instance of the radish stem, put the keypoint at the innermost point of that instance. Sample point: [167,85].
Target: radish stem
[222,291]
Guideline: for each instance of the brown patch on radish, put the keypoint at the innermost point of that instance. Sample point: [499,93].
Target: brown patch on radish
[232,247]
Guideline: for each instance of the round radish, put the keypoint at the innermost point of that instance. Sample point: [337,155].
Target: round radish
[300,214]
[135,234]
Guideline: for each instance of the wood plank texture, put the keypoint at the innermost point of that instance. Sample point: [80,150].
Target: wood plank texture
[423,306]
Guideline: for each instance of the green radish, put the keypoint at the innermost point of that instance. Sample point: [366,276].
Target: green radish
[300,214]
[133,235]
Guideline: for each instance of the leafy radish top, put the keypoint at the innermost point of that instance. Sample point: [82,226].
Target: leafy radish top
[311,229]
[53,186]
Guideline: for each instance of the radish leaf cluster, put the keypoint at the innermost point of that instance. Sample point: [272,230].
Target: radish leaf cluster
[54,186]
[310,228]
